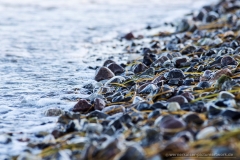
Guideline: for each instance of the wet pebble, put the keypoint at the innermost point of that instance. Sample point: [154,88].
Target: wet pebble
[115,68]
[173,107]
[103,73]
[82,106]
[179,99]
[99,104]
[174,73]
[138,68]
[228,60]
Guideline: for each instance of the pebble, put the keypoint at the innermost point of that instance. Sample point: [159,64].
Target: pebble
[174,73]
[107,62]
[115,68]
[173,107]
[138,68]
[206,133]
[204,84]
[103,73]
[99,104]
[170,124]
[82,106]
[225,95]
[179,99]
[228,60]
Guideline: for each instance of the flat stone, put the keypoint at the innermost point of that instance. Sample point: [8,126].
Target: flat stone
[103,73]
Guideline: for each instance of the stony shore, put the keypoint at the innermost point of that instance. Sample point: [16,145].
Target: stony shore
[179,99]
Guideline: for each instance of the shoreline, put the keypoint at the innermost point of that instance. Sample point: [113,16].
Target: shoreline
[144,104]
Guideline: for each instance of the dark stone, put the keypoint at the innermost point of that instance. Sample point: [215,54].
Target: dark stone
[118,99]
[133,152]
[147,88]
[159,105]
[193,118]
[174,73]
[103,73]
[214,110]
[201,15]
[175,81]
[180,99]
[228,60]
[97,114]
[115,68]
[234,115]
[99,104]
[154,114]
[107,62]
[188,50]
[178,61]
[204,84]
[138,68]
[170,122]
[143,106]
[116,124]
[188,81]
[148,59]
[152,136]
[82,106]
[211,16]
[129,36]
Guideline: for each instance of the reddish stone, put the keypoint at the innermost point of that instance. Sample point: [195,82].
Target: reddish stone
[82,106]
[180,99]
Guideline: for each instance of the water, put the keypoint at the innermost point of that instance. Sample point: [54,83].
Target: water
[42,49]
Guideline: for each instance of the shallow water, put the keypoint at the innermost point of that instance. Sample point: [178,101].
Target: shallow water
[43,45]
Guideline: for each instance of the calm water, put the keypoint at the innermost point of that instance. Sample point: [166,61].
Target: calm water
[42,48]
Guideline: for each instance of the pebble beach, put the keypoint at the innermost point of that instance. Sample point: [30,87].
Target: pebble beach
[156,90]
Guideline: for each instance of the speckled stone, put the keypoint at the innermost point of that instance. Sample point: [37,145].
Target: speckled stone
[82,106]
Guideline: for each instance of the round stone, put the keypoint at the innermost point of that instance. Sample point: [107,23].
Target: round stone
[170,124]
[99,104]
[204,84]
[107,62]
[174,73]
[206,132]
[179,99]
[173,107]
[82,106]
[115,68]
[228,60]
[103,73]
[53,112]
